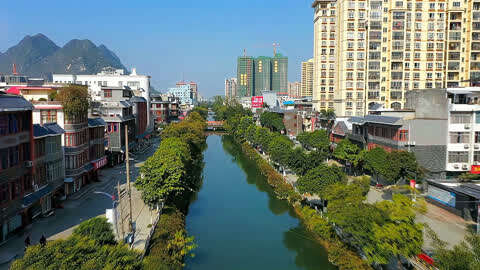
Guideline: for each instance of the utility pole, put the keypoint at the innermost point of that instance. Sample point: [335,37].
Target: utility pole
[130,226]
[121,208]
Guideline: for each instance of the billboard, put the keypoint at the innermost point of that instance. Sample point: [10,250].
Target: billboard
[475,169]
[257,101]
[441,196]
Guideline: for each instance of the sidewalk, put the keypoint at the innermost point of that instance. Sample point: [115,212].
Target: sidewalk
[142,217]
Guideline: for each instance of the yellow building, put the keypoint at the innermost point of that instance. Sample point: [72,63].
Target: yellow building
[371,52]
[307,78]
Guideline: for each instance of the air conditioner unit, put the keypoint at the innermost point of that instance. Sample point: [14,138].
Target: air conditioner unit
[28,163]
[464,166]
[466,146]
[467,126]
[456,166]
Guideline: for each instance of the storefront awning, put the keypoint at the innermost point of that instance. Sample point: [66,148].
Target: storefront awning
[36,196]
[68,180]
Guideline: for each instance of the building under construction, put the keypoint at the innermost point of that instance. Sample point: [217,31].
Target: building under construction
[256,75]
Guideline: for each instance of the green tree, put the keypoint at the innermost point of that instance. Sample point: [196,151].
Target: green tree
[401,164]
[315,140]
[465,255]
[202,111]
[98,229]
[280,149]
[375,161]
[164,175]
[297,161]
[318,179]
[263,137]
[272,121]
[78,252]
[346,151]
[75,100]
[181,246]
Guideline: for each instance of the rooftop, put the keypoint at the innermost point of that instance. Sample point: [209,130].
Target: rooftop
[377,119]
[12,103]
[50,129]
[96,122]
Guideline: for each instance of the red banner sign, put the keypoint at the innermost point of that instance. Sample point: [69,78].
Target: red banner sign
[257,102]
[412,184]
[100,163]
[475,169]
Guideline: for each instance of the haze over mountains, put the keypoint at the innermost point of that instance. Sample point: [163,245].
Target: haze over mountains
[38,56]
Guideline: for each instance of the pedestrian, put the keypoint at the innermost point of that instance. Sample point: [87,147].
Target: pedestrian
[27,242]
[43,240]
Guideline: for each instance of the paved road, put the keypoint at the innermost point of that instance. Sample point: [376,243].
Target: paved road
[75,211]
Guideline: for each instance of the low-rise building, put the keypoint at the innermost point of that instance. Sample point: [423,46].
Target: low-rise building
[49,170]
[75,138]
[140,111]
[16,161]
[97,143]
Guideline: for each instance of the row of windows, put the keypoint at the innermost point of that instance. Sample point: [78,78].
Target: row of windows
[14,189]
[97,151]
[76,138]
[389,133]
[13,156]
[76,161]
[11,123]
[48,116]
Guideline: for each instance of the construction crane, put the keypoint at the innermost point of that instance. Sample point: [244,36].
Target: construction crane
[275,45]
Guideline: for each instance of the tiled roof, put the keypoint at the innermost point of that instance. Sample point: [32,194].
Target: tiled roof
[14,103]
[47,130]
[377,119]
[137,99]
[96,122]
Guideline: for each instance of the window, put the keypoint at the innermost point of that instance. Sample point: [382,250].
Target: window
[459,118]
[3,192]
[458,157]
[48,116]
[403,135]
[477,137]
[459,137]
[107,93]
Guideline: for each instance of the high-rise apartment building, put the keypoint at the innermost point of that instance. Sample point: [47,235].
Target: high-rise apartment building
[257,75]
[193,85]
[230,87]
[294,89]
[307,78]
[279,73]
[245,86]
[263,74]
[368,53]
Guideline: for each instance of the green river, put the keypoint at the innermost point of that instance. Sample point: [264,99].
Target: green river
[239,224]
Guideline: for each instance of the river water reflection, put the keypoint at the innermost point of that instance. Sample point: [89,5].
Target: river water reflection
[239,224]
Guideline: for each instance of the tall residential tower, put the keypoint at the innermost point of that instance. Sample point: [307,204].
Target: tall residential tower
[307,78]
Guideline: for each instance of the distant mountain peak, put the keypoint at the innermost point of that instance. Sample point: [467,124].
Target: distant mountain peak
[37,55]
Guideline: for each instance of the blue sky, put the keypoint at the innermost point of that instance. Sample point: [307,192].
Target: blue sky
[171,39]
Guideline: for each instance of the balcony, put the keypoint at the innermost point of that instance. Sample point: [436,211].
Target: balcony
[456,26]
[474,66]
[453,66]
[452,76]
[455,46]
[476,46]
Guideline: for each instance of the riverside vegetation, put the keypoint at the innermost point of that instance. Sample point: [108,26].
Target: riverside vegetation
[170,177]
[376,232]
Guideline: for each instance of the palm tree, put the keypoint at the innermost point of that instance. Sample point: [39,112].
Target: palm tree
[327,119]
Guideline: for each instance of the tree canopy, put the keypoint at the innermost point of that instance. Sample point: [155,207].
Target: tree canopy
[98,229]
[80,251]
[75,100]
[272,121]
[317,180]
[315,140]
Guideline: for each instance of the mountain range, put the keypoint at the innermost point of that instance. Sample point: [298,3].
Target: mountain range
[38,56]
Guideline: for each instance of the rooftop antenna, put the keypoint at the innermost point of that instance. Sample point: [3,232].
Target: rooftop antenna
[14,69]
[275,45]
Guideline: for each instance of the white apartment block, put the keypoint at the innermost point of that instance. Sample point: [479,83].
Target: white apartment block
[372,52]
[140,84]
